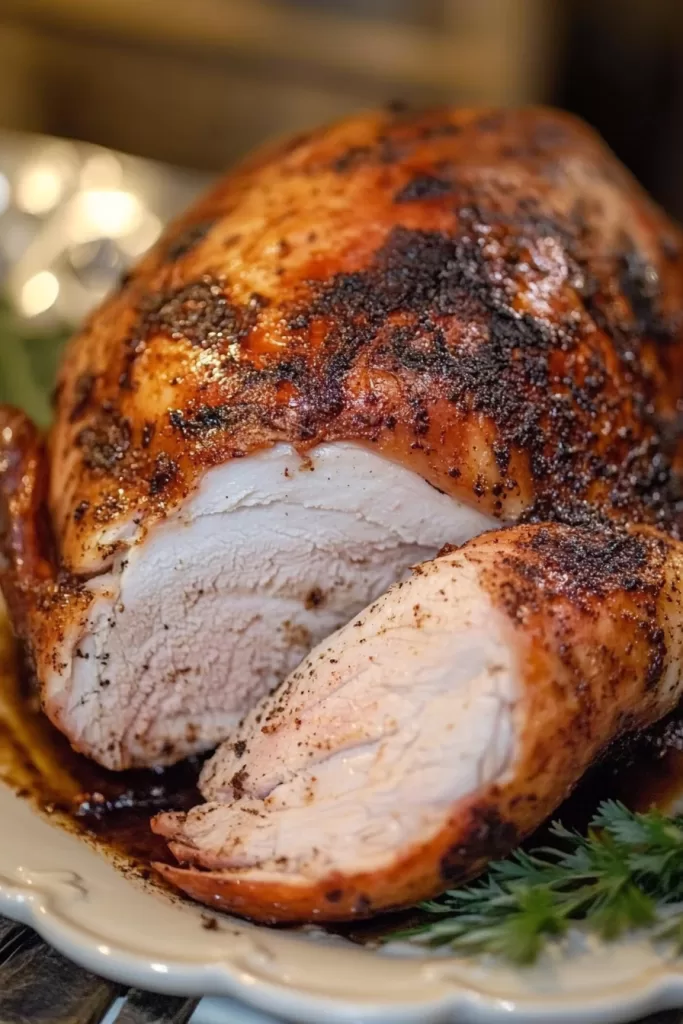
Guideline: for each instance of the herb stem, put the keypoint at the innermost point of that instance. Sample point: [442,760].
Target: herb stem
[625,874]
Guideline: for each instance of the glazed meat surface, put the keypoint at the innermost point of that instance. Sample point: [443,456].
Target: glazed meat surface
[388,334]
[486,298]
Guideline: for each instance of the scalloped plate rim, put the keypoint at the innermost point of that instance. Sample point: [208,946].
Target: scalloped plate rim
[48,907]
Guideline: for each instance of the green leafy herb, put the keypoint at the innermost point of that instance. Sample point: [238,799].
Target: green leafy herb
[28,361]
[626,873]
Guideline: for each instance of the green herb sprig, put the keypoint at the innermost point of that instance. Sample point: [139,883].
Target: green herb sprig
[28,363]
[626,873]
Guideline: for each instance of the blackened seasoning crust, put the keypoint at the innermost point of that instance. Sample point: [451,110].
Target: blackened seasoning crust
[423,186]
[165,469]
[520,373]
[199,312]
[597,562]
[551,570]
[516,339]
[206,418]
[106,442]
[641,286]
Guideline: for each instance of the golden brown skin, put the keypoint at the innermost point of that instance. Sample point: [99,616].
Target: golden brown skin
[22,496]
[40,594]
[596,620]
[485,296]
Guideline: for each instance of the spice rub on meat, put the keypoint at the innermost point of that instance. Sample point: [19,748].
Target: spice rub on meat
[388,334]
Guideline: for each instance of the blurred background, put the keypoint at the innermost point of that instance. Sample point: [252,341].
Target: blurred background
[114,113]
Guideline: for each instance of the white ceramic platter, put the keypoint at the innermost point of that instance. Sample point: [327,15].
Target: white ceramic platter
[78,901]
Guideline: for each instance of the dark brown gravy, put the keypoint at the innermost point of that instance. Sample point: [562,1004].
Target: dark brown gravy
[112,810]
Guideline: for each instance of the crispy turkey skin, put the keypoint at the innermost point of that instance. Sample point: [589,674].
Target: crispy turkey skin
[364,342]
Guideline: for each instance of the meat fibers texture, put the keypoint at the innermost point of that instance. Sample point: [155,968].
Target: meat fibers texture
[438,728]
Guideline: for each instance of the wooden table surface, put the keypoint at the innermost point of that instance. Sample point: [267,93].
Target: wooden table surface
[39,986]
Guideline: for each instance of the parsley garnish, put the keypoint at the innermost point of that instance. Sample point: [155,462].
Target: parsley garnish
[625,874]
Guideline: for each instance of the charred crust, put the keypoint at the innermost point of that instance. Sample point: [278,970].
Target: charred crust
[575,399]
[552,572]
[206,418]
[397,135]
[165,470]
[522,373]
[640,283]
[133,347]
[199,312]
[581,566]
[423,186]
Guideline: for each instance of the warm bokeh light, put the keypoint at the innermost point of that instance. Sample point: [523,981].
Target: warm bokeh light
[38,189]
[101,171]
[39,293]
[106,213]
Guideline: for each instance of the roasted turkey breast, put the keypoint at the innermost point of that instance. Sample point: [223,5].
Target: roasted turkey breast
[366,342]
[439,727]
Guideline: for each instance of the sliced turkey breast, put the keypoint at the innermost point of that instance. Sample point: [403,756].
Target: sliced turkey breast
[482,301]
[437,728]
[272,553]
